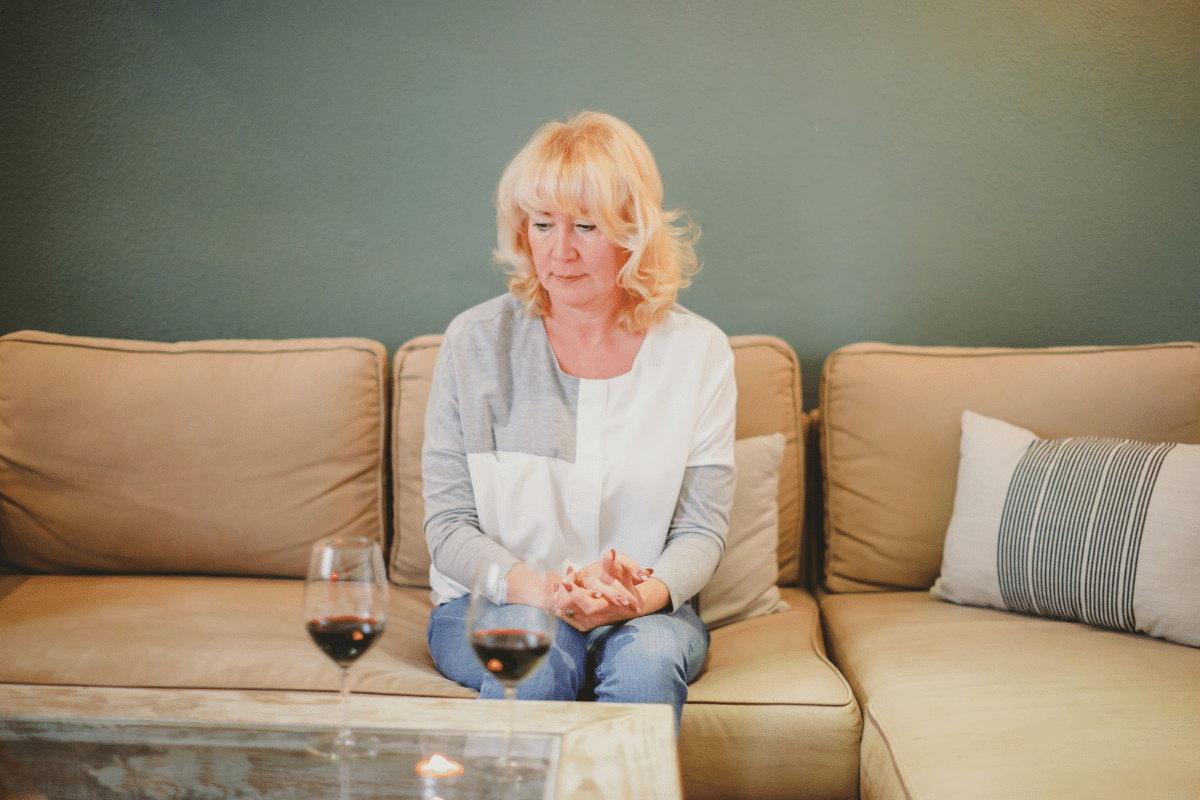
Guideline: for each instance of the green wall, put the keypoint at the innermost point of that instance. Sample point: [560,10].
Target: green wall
[941,172]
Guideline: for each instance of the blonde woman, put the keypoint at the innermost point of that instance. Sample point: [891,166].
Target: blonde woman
[585,420]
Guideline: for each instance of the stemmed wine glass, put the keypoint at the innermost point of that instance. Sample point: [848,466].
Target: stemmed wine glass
[510,639]
[345,611]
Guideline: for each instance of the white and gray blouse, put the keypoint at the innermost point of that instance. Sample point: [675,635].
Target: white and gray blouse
[522,461]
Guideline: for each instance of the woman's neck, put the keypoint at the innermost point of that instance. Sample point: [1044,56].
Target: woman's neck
[591,345]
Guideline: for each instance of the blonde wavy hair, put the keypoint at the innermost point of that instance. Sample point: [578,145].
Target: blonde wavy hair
[596,167]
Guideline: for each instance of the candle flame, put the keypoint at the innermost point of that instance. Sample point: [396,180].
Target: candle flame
[438,766]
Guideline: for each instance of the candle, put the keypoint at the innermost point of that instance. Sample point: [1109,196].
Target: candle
[438,766]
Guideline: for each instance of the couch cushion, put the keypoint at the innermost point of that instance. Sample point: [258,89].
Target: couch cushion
[412,376]
[973,702]
[220,458]
[744,584]
[196,632]
[768,378]
[772,712]
[890,434]
[1103,531]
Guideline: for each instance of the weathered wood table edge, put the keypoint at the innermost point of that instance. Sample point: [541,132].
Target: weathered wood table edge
[609,750]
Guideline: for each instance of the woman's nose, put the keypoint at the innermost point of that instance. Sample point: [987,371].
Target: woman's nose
[561,246]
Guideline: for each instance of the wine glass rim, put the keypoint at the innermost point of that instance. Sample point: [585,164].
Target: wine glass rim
[347,539]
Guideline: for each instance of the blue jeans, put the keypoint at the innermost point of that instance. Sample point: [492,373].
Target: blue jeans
[650,659]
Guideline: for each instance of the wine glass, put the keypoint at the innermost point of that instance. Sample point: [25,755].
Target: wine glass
[345,612]
[510,639]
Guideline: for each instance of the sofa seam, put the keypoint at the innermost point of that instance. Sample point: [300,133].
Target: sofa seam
[892,756]
[927,351]
[369,346]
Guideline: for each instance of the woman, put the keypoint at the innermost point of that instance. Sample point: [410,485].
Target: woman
[586,421]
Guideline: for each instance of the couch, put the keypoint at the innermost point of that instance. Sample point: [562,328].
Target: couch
[158,501]
[964,700]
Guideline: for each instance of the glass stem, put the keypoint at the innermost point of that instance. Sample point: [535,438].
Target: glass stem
[344,736]
[510,695]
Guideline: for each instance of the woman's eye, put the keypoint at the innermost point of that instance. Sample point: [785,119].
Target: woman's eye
[585,228]
[542,226]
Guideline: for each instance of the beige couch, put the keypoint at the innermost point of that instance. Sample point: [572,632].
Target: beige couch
[974,702]
[157,503]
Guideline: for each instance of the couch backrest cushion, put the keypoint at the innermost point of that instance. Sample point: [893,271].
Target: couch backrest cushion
[890,430]
[219,458]
[768,378]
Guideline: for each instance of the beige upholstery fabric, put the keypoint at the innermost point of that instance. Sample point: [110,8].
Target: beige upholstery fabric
[412,375]
[769,400]
[223,633]
[218,458]
[769,397]
[745,583]
[769,687]
[980,703]
[890,433]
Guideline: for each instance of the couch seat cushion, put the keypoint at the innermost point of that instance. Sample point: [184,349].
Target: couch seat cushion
[971,702]
[771,709]
[220,633]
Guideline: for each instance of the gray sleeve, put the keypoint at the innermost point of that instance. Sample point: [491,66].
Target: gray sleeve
[696,540]
[452,533]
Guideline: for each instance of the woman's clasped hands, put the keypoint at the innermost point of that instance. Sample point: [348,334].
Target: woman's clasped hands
[612,589]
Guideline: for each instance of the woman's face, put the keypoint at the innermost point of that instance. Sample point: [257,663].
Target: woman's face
[575,263]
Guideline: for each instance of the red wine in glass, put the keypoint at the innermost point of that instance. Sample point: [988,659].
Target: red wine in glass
[510,638]
[344,639]
[345,612]
[510,654]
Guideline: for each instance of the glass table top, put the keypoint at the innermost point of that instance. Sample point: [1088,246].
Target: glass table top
[97,760]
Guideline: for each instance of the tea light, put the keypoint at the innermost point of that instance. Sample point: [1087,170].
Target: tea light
[438,766]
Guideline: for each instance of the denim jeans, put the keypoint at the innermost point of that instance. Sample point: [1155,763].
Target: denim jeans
[650,659]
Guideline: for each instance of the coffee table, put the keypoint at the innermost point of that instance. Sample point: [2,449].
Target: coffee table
[591,750]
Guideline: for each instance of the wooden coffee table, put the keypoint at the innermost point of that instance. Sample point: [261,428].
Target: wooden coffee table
[600,750]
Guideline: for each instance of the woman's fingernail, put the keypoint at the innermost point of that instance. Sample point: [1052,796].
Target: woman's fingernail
[643,575]
[596,595]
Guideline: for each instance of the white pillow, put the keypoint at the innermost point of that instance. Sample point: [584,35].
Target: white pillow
[744,584]
[1101,531]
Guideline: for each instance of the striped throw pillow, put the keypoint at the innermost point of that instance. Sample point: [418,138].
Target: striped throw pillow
[1095,530]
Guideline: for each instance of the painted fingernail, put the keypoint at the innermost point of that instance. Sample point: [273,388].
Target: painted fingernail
[643,575]
[596,595]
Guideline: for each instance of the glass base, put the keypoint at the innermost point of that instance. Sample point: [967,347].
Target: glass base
[510,770]
[345,746]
